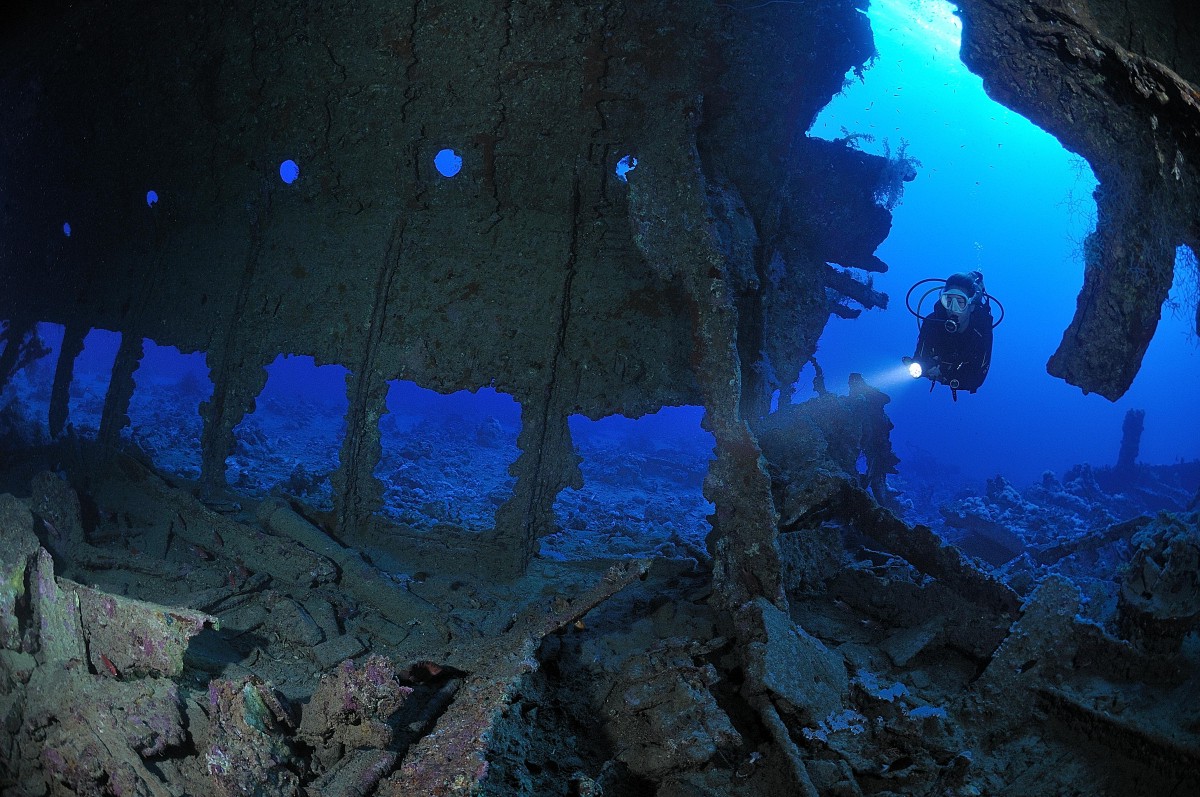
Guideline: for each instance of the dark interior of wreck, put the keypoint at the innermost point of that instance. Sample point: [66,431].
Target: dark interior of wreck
[161,636]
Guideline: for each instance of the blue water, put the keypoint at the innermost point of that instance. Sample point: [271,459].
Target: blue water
[294,432]
[89,382]
[164,411]
[993,192]
[446,458]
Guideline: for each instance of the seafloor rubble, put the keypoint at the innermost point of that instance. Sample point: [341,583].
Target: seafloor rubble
[155,644]
[167,636]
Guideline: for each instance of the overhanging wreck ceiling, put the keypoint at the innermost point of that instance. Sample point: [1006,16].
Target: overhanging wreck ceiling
[1114,82]
[521,272]
[536,269]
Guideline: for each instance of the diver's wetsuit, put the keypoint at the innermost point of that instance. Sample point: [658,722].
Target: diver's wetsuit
[962,356]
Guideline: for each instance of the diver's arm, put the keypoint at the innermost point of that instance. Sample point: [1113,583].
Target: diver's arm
[985,331]
[924,353]
[981,356]
[983,367]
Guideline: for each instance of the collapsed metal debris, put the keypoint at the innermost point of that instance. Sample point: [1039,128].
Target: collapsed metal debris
[83,666]
[895,664]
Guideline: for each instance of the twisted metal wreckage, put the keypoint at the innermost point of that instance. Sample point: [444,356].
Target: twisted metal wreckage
[819,646]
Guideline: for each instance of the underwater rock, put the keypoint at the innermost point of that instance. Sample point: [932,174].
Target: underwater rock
[129,638]
[302,481]
[1004,522]
[81,713]
[1022,573]
[356,774]
[986,530]
[1066,526]
[664,711]
[248,749]
[59,634]
[452,759]
[18,429]
[885,736]
[1050,491]
[489,432]
[358,577]
[1042,641]
[1159,601]
[813,450]
[350,710]
[252,442]
[925,551]
[337,649]
[810,557]
[18,548]
[91,734]
[212,534]
[806,678]
[904,645]
[57,505]
[292,622]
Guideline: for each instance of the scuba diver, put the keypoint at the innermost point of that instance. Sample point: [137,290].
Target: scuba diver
[954,344]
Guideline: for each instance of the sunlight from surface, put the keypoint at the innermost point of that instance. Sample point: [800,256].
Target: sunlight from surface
[931,22]
[993,192]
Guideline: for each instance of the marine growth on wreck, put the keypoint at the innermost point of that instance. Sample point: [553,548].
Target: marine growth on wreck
[508,398]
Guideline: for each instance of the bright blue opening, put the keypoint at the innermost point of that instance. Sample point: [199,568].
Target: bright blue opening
[291,440]
[625,166]
[164,413]
[151,198]
[67,229]
[446,457]
[642,487]
[448,163]
[992,192]
[26,397]
[289,171]
[90,378]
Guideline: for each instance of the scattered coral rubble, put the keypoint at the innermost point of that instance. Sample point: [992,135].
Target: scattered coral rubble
[153,645]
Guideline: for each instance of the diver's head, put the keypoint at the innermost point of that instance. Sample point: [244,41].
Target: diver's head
[962,293]
[957,305]
[969,282]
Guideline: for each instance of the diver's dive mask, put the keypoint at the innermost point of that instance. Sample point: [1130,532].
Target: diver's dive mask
[957,307]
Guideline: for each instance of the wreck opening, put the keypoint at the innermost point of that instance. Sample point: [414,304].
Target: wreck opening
[641,493]
[625,165]
[91,373]
[29,386]
[448,162]
[289,171]
[291,441]
[164,410]
[447,457]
